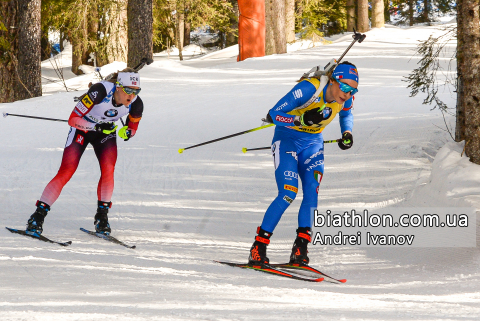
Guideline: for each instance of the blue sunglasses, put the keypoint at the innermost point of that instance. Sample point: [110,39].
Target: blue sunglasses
[347,89]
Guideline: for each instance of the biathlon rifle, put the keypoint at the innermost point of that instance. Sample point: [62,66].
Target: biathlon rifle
[143,62]
[317,72]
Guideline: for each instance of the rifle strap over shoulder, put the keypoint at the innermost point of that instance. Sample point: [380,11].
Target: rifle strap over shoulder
[323,83]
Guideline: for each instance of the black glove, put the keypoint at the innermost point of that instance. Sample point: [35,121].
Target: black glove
[315,116]
[346,142]
[268,119]
[106,128]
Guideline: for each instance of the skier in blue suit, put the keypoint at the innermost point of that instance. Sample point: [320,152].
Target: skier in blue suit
[297,149]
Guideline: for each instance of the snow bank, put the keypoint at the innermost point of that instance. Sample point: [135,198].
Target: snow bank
[453,177]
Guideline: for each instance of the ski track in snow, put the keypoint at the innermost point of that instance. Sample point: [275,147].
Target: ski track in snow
[185,210]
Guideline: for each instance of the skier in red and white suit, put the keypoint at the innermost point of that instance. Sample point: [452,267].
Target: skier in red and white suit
[92,122]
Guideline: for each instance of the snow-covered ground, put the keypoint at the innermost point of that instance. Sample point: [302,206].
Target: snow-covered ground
[185,210]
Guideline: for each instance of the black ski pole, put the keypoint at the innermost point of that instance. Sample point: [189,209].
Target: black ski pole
[97,70]
[245,149]
[35,117]
[225,137]
[143,62]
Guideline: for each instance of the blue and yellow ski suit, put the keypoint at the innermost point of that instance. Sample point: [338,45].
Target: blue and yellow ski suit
[298,151]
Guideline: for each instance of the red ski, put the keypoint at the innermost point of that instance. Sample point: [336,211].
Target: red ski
[306,270]
[271,270]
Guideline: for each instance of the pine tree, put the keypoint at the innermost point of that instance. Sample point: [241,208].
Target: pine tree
[319,16]
[362,16]
[275,27]
[290,20]
[460,110]
[29,50]
[8,50]
[351,16]
[140,30]
[471,77]
[378,18]
[232,34]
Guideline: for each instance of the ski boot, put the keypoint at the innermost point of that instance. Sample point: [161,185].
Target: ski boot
[101,218]
[35,223]
[258,251]
[299,249]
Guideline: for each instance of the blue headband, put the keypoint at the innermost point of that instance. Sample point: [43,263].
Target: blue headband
[344,71]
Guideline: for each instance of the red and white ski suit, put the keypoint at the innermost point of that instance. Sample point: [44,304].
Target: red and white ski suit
[97,106]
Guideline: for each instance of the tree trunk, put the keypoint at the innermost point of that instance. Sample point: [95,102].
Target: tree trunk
[63,38]
[350,15]
[378,19]
[426,11]
[140,31]
[362,15]
[179,28]
[92,34]
[186,33]
[471,79]
[280,27]
[78,39]
[386,10]
[411,4]
[299,13]
[46,48]
[119,45]
[269,29]
[460,110]
[290,20]
[232,36]
[29,50]
[76,55]
[276,39]
[8,60]
[181,21]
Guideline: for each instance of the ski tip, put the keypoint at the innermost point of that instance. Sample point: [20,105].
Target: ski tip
[244,150]
[181,150]
[5,115]
[343,280]
[319,280]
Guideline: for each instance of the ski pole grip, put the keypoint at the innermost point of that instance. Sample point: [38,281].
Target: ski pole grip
[143,62]
[358,36]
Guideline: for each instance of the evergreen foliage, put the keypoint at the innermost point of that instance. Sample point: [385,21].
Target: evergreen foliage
[423,10]
[163,25]
[424,78]
[4,42]
[7,36]
[94,24]
[321,18]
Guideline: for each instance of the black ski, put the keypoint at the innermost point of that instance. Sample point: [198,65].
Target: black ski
[306,270]
[108,238]
[271,270]
[38,237]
